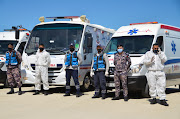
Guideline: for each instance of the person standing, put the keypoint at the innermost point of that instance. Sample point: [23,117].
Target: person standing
[122,64]
[72,61]
[154,61]
[99,68]
[42,62]
[13,60]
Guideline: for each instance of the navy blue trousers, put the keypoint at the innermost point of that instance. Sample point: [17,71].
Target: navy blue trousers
[99,82]
[74,74]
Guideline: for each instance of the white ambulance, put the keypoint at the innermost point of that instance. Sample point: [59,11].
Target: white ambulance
[57,36]
[19,44]
[137,39]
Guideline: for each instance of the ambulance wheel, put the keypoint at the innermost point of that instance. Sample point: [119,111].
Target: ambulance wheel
[86,83]
[145,92]
[6,85]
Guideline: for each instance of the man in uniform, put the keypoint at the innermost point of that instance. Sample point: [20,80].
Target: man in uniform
[154,61]
[42,62]
[13,59]
[99,68]
[72,61]
[122,64]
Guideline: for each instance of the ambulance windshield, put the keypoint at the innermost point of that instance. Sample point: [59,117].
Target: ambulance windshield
[55,37]
[4,45]
[132,44]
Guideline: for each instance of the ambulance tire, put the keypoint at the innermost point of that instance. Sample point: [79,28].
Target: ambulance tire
[87,83]
[145,91]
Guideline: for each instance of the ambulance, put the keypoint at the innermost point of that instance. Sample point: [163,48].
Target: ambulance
[57,35]
[137,39]
[19,44]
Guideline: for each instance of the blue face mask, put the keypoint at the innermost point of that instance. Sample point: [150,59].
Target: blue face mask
[119,50]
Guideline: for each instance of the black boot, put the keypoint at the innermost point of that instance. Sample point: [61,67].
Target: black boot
[78,94]
[36,92]
[116,98]
[104,96]
[153,101]
[96,96]
[46,92]
[20,92]
[67,94]
[126,98]
[11,91]
[163,102]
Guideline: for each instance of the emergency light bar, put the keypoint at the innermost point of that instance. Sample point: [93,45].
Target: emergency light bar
[64,17]
[144,23]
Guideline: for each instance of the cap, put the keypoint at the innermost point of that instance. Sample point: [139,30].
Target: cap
[98,45]
[71,44]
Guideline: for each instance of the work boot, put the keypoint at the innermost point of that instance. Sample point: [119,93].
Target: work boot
[11,91]
[46,92]
[163,102]
[153,101]
[116,98]
[104,96]
[126,98]
[96,96]
[36,92]
[20,92]
[67,94]
[79,94]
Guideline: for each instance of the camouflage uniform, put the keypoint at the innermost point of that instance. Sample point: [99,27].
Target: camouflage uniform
[122,63]
[13,72]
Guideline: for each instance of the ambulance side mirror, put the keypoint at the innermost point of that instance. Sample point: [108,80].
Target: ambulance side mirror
[17,34]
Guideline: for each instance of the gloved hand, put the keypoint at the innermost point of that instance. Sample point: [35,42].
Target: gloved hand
[92,74]
[159,50]
[106,73]
[152,59]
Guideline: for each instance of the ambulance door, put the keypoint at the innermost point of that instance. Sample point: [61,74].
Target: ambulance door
[87,49]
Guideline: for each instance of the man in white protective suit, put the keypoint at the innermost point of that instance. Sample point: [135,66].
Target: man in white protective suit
[154,61]
[42,62]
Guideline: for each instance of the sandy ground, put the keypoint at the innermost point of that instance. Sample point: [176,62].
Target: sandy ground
[55,105]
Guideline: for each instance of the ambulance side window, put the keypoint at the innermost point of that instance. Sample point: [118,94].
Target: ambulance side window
[21,47]
[87,46]
[160,42]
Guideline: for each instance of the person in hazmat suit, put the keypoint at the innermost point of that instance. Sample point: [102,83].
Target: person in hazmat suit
[42,62]
[154,61]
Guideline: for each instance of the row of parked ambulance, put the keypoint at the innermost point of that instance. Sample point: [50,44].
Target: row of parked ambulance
[56,35]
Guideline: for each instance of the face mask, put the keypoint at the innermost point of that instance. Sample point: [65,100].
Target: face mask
[155,51]
[119,50]
[99,50]
[41,49]
[10,49]
[71,49]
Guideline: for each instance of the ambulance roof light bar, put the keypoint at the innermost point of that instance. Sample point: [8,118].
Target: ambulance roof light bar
[144,23]
[63,17]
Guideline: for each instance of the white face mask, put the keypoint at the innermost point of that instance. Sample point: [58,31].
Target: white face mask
[119,50]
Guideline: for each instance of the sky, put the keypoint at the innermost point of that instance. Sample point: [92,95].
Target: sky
[108,13]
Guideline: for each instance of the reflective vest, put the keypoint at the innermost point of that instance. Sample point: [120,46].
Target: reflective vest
[11,59]
[99,63]
[72,60]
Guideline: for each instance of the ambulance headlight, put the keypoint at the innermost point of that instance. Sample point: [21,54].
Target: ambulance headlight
[1,64]
[136,68]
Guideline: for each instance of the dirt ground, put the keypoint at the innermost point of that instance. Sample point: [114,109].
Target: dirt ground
[28,106]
